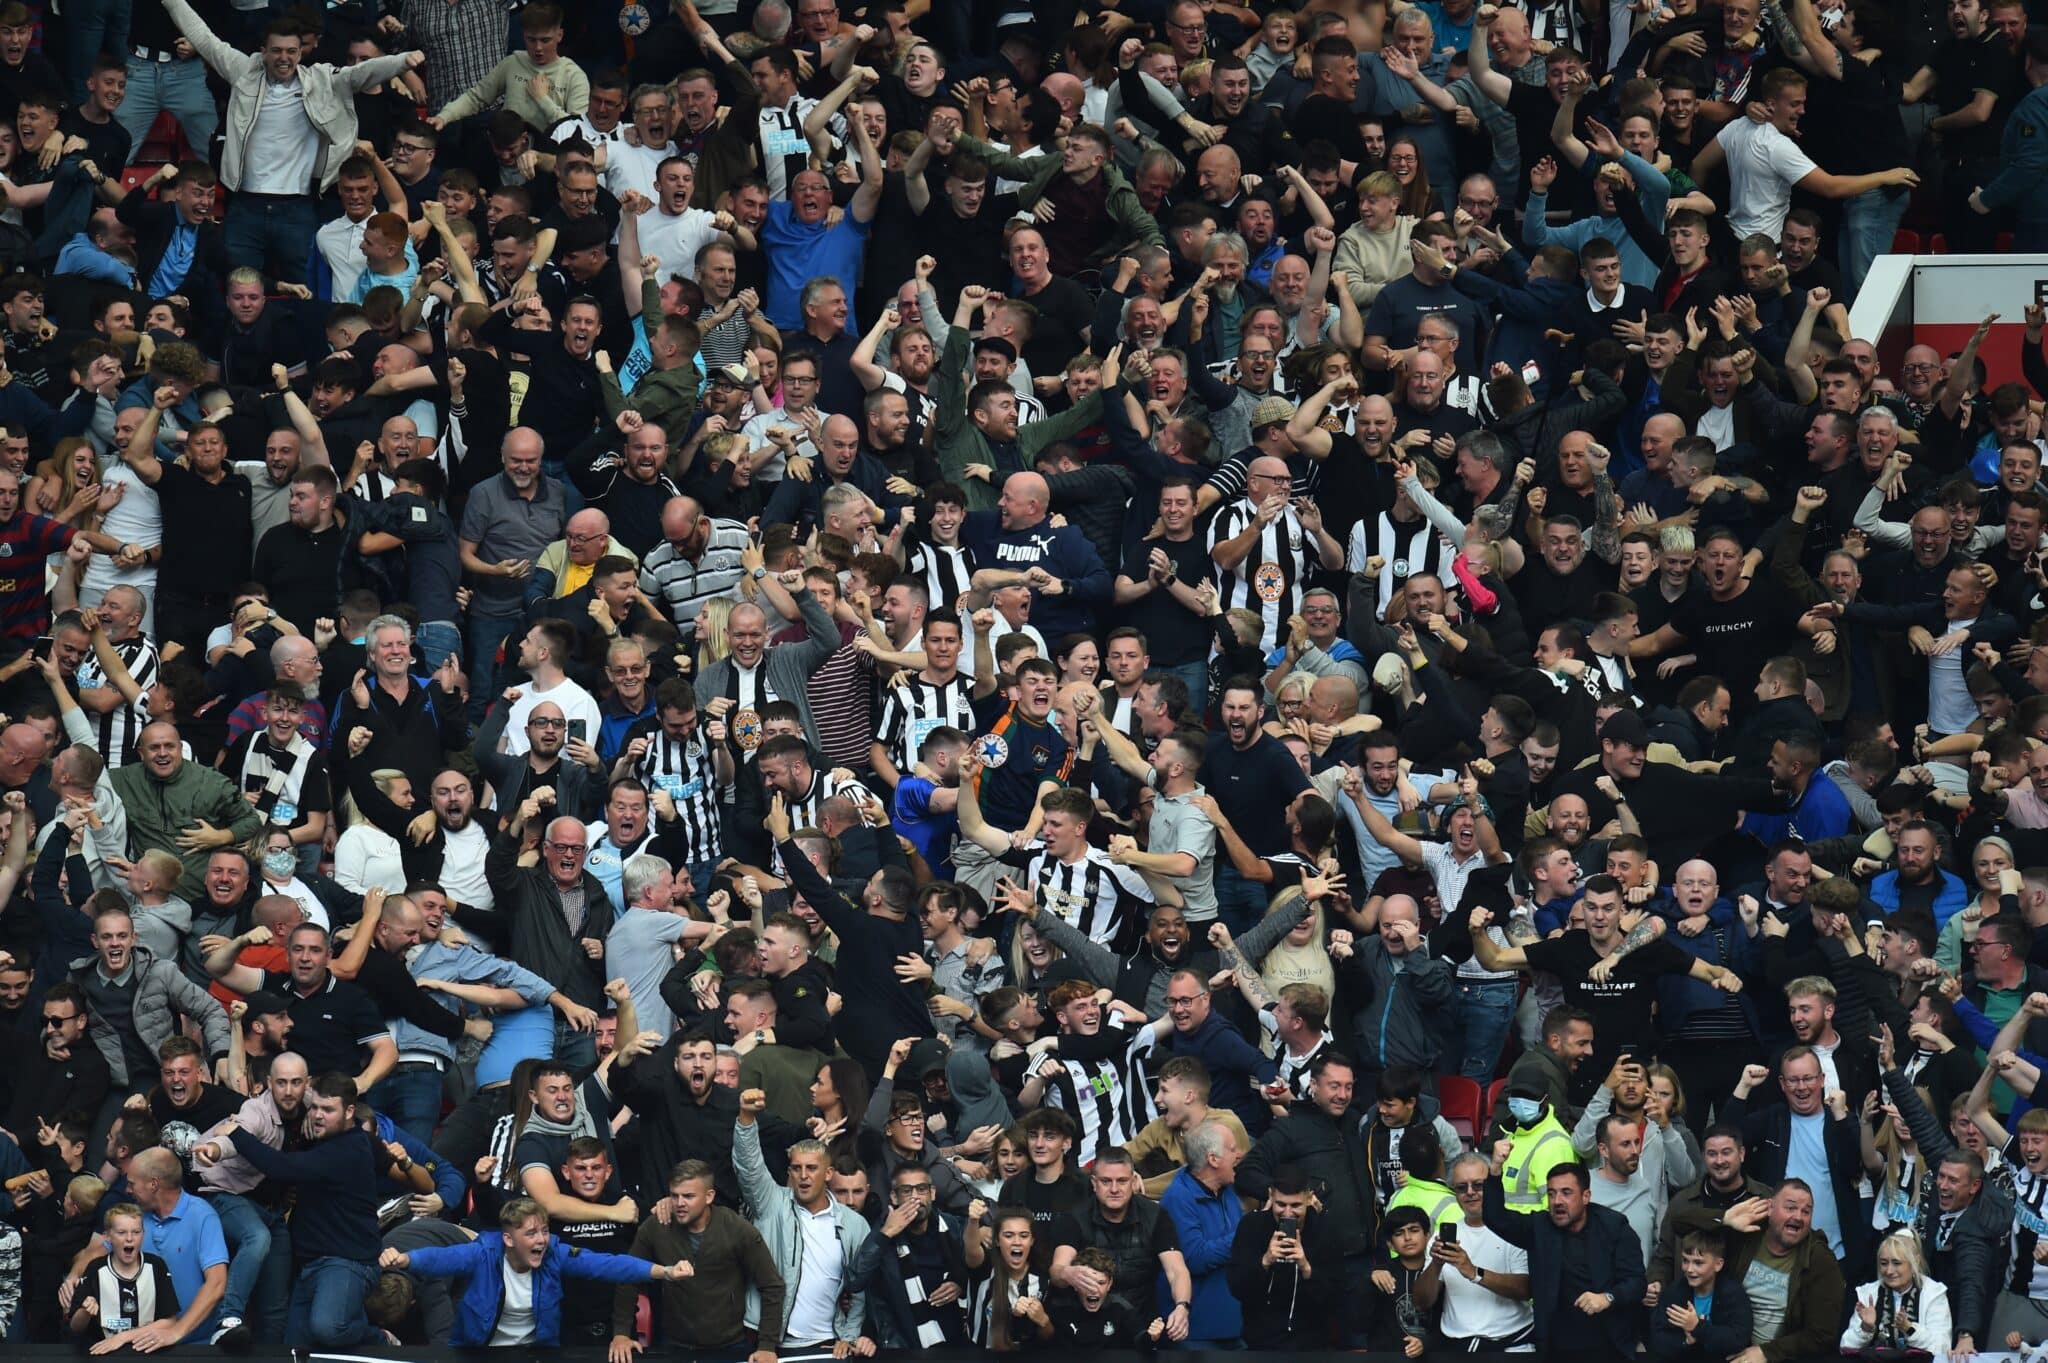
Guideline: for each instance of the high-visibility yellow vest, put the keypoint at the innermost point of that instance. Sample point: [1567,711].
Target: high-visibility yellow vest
[1532,1154]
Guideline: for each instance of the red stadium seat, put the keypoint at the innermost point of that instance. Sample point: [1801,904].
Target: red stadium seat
[1493,1093]
[1937,245]
[1459,1099]
[1905,243]
[2004,243]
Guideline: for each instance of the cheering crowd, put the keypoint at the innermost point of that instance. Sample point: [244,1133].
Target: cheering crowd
[785,676]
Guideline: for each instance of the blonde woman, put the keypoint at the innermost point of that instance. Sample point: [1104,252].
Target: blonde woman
[713,642]
[366,855]
[1896,1167]
[1290,703]
[1905,1308]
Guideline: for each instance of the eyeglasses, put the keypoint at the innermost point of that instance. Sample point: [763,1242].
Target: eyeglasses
[547,723]
[408,148]
[49,1021]
[568,846]
[799,378]
[1172,1002]
[1920,367]
[1202,27]
[1470,1185]
[575,538]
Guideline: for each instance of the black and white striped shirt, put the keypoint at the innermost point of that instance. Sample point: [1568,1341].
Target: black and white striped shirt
[119,727]
[682,587]
[1270,579]
[947,570]
[1103,1085]
[785,152]
[1408,548]
[914,709]
[1094,895]
[2028,1277]
[683,768]
[992,1292]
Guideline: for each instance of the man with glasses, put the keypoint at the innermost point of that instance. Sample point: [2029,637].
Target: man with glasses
[413,150]
[1808,1136]
[551,917]
[66,1073]
[1237,1069]
[572,784]
[912,1269]
[1481,1279]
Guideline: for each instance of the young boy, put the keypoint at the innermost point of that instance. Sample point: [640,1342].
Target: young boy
[161,918]
[388,256]
[1052,1185]
[1705,1315]
[512,1288]
[1099,1319]
[125,1291]
[1406,1233]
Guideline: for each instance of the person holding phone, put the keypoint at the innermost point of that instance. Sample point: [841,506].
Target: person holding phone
[545,653]
[1284,1270]
[1481,1279]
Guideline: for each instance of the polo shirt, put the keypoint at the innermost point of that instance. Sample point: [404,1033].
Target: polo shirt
[189,1241]
[798,253]
[505,527]
[330,1028]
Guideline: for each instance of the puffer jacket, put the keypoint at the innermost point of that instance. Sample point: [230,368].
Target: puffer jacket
[162,993]
[329,91]
[481,1264]
[773,1210]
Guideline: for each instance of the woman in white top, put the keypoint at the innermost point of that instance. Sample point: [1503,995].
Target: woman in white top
[366,855]
[1904,1308]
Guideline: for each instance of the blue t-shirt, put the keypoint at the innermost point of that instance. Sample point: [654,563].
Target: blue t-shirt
[929,832]
[1808,1160]
[798,253]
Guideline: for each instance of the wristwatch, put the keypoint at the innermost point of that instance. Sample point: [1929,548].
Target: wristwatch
[760,573]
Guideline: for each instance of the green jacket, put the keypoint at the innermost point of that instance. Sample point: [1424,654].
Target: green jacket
[1037,172]
[158,811]
[960,442]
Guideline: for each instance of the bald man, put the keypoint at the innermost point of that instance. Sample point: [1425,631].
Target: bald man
[172,803]
[841,460]
[1066,575]
[564,566]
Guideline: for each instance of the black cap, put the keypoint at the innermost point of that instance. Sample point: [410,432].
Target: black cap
[585,233]
[996,345]
[927,1057]
[265,1003]
[1627,727]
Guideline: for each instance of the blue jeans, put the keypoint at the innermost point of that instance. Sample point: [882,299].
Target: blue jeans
[577,1050]
[178,87]
[327,1305]
[1869,222]
[700,878]
[95,26]
[1485,1011]
[440,640]
[486,634]
[272,233]
[1196,676]
[411,1098]
[259,1264]
[1239,902]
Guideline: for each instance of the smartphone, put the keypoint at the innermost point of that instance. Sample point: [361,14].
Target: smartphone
[1448,1232]
[577,729]
[1288,1225]
[41,647]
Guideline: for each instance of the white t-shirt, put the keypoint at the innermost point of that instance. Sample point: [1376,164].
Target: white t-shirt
[1475,1312]
[575,703]
[676,240]
[1763,165]
[627,166]
[515,1310]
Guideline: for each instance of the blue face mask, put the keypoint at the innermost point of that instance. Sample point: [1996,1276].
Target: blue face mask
[1524,1110]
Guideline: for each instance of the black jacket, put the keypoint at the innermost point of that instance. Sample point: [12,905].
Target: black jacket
[1617,1261]
[1330,1151]
[879,1009]
[1723,1335]
[1767,1133]
[527,925]
[674,1128]
[1282,1309]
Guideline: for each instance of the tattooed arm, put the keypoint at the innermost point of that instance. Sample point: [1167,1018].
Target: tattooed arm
[1249,982]
[1647,926]
[1602,537]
